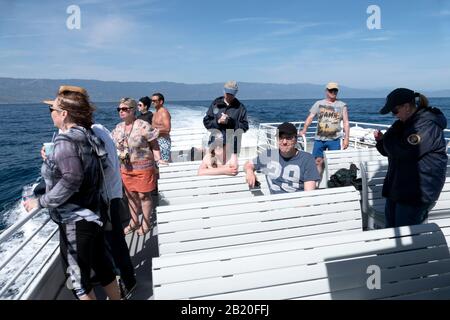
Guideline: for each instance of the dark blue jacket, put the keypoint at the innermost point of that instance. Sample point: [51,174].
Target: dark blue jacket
[417,155]
[236,112]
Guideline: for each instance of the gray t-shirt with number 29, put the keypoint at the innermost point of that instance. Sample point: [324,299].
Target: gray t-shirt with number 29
[287,175]
[329,116]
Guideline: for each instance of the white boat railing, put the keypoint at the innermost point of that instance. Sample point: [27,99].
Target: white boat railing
[13,231]
[267,134]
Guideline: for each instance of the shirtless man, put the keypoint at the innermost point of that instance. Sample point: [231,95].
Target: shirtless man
[161,121]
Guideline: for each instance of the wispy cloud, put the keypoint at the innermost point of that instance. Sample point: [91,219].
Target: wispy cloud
[262,20]
[243,52]
[27,35]
[15,53]
[442,13]
[377,39]
[346,35]
[293,30]
[109,31]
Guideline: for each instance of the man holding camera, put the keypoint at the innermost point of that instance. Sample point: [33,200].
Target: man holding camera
[228,115]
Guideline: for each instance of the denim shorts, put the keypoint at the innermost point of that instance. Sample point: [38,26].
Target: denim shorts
[320,146]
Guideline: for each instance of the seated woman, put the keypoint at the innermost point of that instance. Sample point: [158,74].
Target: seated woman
[215,163]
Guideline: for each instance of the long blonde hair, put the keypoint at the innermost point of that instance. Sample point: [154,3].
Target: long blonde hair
[218,141]
[423,101]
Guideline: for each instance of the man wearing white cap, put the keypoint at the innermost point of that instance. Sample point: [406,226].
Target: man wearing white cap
[228,115]
[330,112]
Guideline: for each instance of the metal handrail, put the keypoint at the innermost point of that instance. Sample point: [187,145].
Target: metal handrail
[18,273]
[8,233]
[41,267]
[14,253]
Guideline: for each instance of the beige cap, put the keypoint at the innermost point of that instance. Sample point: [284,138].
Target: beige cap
[332,85]
[67,88]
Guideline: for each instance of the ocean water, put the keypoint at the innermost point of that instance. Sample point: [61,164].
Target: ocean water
[24,128]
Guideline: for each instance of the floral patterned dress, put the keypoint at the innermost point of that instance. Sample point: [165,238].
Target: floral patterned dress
[135,153]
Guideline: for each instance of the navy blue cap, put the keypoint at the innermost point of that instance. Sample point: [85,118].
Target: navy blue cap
[398,97]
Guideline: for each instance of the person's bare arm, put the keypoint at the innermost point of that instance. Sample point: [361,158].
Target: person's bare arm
[250,176]
[203,170]
[309,185]
[346,128]
[307,123]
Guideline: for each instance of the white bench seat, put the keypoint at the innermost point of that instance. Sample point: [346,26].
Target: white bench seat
[187,166]
[373,203]
[201,226]
[414,262]
[198,182]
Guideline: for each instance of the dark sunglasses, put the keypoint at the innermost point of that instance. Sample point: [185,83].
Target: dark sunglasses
[333,90]
[123,109]
[53,109]
[395,111]
[286,137]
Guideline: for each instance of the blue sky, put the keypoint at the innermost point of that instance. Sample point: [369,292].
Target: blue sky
[199,41]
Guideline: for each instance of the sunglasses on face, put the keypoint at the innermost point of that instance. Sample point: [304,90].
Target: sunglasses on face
[395,111]
[123,109]
[335,91]
[51,109]
[288,138]
[154,101]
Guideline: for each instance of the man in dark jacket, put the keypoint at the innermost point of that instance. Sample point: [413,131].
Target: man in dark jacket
[416,150]
[228,115]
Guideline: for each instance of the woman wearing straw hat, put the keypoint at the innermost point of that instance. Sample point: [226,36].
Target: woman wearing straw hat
[73,178]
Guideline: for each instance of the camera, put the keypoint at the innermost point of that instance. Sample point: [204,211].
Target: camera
[124,157]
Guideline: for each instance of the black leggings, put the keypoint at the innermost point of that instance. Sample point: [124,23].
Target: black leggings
[82,248]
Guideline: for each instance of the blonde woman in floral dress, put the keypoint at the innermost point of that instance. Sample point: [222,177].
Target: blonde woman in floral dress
[139,155]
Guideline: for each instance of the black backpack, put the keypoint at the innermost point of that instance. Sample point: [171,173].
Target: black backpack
[345,177]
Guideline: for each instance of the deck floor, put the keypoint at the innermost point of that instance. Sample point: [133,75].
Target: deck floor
[142,250]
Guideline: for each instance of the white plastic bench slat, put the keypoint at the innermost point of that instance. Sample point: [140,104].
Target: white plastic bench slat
[292,245]
[283,259]
[336,154]
[318,271]
[246,239]
[212,209]
[178,174]
[206,198]
[169,181]
[350,286]
[195,182]
[250,227]
[237,186]
[199,223]
[188,166]
[389,289]
[373,201]
[273,198]
[435,294]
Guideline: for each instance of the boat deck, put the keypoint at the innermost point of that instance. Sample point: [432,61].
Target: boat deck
[142,250]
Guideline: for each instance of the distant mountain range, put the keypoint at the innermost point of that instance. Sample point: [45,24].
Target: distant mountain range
[35,90]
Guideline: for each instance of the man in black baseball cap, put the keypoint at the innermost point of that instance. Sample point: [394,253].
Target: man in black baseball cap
[287,128]
[287,169]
